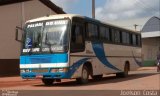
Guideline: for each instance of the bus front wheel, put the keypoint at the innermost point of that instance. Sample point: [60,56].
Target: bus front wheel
[48,81]
[84,76]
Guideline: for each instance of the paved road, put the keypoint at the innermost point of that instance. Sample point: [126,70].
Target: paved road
[146,79]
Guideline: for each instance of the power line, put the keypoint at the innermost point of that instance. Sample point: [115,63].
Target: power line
[141,25]
[146,5]
[143,5]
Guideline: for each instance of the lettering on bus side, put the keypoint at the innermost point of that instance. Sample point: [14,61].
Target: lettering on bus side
[34,25]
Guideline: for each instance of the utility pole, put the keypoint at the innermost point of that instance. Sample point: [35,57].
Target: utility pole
[135,26]
[93,9]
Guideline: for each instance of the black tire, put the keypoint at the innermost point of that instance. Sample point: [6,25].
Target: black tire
[125,73]
[48,81]
[97,77]
[84,76]
[120,74]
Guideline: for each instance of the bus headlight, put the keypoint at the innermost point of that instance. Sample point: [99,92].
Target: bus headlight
[54,70]
[22,70]
[25,70]
[63,70]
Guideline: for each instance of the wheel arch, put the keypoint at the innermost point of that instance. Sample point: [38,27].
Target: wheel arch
[89,66]
[127,63]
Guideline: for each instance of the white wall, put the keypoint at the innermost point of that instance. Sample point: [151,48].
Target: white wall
[10,17]
[150,47]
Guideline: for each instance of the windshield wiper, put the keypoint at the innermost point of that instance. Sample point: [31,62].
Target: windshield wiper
[47,43]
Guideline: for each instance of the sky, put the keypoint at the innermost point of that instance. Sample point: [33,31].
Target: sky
[114,11]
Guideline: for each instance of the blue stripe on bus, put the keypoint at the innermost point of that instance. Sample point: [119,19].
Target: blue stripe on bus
[99,51]
[76,65]
[45,58]
[71,71]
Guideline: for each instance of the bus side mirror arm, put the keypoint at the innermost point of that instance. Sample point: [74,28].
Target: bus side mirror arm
[17,34]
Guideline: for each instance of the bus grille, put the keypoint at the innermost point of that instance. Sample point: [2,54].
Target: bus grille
[39,70]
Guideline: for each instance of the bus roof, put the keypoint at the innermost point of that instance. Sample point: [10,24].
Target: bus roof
[70,16]
[57,16]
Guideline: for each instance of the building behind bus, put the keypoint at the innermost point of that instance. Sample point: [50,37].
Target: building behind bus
[16,13]
[151,41]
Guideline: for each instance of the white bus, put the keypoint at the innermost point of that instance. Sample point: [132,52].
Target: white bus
[69,46]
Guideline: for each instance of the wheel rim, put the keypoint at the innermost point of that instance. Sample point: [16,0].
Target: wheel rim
[85,74]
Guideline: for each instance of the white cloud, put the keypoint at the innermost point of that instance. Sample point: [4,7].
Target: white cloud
[127,9]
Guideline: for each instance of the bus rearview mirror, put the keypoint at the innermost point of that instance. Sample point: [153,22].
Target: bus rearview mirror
[18,35]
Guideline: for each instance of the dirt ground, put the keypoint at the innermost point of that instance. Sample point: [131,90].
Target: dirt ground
[145,78]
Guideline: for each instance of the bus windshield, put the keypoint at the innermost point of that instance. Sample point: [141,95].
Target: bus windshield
[46,37]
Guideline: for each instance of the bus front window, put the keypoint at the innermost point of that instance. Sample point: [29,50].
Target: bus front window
[46,37]
[55,37]
[33,37]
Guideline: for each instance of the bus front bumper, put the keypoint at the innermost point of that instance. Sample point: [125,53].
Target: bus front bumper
[49,75]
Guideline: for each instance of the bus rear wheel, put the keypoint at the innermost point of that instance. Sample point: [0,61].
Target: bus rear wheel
[84,76]
[125,73]
[48,81]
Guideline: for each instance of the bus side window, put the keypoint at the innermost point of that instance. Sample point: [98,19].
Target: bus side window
[117,36]
[77,42]
[107,35]
[104,33]
[139,40]
[127,38]
[134,40]
[92,31]
[130,39]
[124,37]
[112,35]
